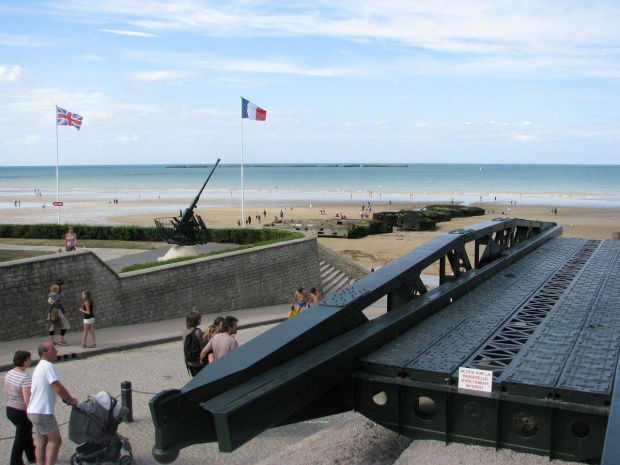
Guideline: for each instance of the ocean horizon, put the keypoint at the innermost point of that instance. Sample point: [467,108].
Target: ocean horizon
[273,184]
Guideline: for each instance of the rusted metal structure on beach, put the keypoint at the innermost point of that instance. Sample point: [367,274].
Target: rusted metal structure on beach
[538,311]
[188,228]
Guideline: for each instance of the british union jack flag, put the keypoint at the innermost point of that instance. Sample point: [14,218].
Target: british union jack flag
[66,118]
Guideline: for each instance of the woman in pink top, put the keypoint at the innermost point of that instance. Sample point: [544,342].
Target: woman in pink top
[70,240]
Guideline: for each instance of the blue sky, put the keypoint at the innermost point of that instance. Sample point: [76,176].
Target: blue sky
[342,81]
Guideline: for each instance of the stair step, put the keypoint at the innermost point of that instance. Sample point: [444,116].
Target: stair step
[336,284]
[333,273]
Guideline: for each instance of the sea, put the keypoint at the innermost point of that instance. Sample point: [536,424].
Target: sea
[284,184]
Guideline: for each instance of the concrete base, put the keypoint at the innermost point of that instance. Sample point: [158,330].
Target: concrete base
[177,251]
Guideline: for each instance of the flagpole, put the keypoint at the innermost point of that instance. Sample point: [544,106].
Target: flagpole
[242,187]
[57,192]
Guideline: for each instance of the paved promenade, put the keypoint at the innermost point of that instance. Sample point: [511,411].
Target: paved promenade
[149,355]
[127,337]
[119,338]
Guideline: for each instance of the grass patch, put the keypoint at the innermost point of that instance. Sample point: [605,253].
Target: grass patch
[8,255]
[89,243]
[143,266]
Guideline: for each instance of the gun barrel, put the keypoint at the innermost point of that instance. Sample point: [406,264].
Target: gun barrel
[190,211]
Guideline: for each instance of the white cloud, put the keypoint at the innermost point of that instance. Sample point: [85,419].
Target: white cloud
[30,139]
[10,73]
[469,37]
[129,33]
[13,40]
[134,138]
[153,76]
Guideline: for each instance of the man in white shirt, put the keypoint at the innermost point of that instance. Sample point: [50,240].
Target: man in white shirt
[45,389]
[222,342]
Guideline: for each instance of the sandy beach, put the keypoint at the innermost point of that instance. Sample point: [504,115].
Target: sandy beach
[371,251]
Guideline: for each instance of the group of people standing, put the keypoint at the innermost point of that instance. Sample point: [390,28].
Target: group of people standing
[31,403]
[57,315]
[213,343]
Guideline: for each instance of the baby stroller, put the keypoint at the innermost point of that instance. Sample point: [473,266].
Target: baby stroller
[93,426]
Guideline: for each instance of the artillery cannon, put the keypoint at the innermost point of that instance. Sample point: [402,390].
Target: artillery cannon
[188,228]
[516,308]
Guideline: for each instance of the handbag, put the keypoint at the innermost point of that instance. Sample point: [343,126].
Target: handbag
[292,312]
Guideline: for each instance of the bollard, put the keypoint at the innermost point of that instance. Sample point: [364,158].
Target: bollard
[126,400]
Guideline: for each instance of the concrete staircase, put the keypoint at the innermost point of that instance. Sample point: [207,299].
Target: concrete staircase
[337,271]
[333,279]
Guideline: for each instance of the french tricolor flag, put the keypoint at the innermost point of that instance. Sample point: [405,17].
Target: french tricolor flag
[252,111]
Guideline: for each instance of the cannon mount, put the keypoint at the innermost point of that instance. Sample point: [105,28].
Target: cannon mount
[188,228]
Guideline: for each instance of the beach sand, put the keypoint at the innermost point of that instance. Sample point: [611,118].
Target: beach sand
[370,251]
[377,250]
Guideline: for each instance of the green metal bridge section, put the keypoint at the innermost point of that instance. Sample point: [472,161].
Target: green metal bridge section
[539,311]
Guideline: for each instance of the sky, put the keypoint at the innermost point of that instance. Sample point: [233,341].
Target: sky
[392,81]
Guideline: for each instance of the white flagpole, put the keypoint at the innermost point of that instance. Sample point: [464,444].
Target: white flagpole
[57,191]
[242,187]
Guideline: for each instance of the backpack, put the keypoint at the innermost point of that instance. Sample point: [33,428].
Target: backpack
[192,347]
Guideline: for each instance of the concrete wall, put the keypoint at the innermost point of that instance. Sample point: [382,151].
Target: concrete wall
[223,283]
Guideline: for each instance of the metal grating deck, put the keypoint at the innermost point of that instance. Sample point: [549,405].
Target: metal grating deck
[544,327]
[548,326]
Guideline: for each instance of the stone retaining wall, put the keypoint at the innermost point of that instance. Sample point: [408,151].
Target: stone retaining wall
[250,278]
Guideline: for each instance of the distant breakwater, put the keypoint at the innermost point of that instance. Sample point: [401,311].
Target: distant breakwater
[299,165]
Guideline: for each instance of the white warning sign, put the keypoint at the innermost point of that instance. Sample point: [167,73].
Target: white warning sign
[477,380]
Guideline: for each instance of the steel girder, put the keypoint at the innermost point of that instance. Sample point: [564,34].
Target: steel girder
[434,411]
[548,328]
[283,374]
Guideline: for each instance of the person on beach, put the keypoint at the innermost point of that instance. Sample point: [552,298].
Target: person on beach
[315,296]
[223,342]
[89,318]
[70,240]
[300,299]
[17,389]
[54,300]
[192,329]
[45,388]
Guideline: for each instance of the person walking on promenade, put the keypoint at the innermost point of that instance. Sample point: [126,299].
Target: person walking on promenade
[17,389]
[70,240]
[218,322]
[45,388]
[193,346]
[55,300]
[300,299]
[222,342]
[89,318]
[315,296]
[208,335]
